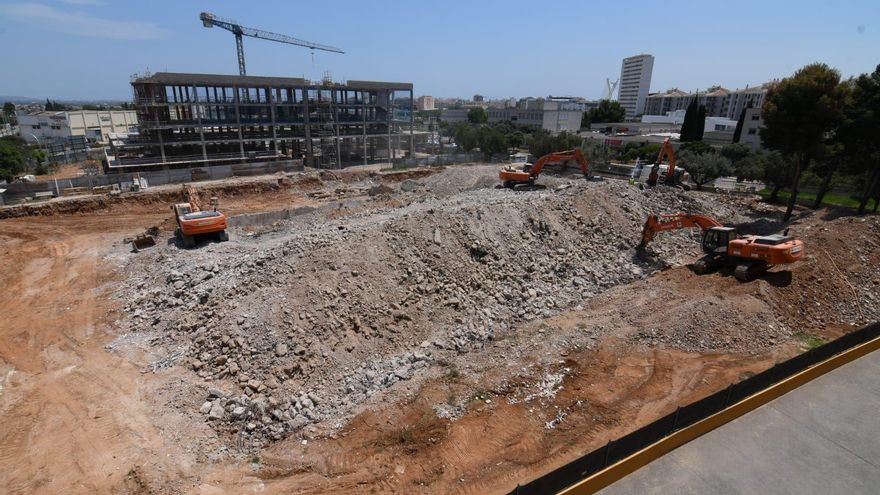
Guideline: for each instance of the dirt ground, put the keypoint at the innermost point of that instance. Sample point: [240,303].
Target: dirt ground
[79,417]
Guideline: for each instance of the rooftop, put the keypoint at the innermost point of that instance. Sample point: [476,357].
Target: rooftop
[233,80]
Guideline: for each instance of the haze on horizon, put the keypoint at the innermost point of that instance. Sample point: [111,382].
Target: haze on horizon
[88,49]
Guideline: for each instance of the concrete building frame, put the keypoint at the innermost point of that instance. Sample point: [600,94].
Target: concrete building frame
[187,119]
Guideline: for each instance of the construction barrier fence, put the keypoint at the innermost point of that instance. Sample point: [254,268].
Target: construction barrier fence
[685,416]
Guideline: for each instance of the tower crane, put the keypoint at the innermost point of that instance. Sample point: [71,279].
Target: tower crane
[211,20]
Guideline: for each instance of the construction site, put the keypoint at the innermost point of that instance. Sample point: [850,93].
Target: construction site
[318,316]
[415,331]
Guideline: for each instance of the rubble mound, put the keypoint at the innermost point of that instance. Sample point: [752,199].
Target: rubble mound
[303,324]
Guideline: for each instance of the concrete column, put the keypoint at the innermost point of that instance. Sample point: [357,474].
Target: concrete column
[199,120]
[161,143]
[310,157]
[334,94]
[271,101]
[412,116]
[364,117]
[390,114]
[238,121]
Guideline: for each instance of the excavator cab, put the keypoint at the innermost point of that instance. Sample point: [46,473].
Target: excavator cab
[716,239]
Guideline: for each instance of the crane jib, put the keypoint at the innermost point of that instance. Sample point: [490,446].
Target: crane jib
[210,20]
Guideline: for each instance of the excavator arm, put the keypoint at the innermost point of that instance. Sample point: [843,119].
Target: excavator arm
[667,152]
[561,156]
[191,197]
[674,221]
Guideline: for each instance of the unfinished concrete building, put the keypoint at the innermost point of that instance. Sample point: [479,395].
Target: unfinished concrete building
[189,120]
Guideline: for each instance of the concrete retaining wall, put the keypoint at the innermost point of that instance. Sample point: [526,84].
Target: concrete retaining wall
[268,217]
[20,190]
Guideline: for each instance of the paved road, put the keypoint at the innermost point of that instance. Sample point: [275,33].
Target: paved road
[823,438]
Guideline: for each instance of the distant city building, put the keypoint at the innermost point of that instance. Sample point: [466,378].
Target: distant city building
[479,98]
[719,102]
[453,115]
[751,131]
[635,83]
[94,125]
[555,115]
[425,103]
[749,97]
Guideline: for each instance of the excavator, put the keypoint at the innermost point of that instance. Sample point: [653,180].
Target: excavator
[192,221]
[673,176]
[751,255]
[512,177]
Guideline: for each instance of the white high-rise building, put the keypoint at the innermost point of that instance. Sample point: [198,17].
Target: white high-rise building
[635,82]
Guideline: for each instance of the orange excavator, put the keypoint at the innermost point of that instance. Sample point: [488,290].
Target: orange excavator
[751,255]
[512,177]
[673,176]
[193,222]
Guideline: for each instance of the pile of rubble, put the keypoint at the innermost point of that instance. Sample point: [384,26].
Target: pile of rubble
[303,324]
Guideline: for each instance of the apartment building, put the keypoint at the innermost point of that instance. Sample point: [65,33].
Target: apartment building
[635,83]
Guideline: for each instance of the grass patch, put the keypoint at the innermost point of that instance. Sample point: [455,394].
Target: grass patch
[810,342]
[255,459]
[830,199]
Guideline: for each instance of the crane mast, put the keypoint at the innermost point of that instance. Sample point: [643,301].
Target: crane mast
[210,20]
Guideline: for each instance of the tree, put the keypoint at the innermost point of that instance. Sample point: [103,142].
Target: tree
[697,148]
[737,133]
[478,115]
[736,153]
[492,141]
[704,168]
[9,108]
[700,124]
[465,136]
[778,173]
[751,167]
[605,111]
[858,134]
[798,113]
[542,142]
[690,117]
[15,157]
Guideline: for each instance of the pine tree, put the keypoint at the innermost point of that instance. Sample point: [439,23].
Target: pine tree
[739,125]
[688,128]
[700,124]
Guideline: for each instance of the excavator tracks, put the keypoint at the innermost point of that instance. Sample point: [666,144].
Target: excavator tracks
[746,272]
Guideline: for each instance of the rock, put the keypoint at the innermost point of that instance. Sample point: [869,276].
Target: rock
[254,384]
[216,411]
[206,407]
[280,349]
[409,185]
[239,412]
[214,393]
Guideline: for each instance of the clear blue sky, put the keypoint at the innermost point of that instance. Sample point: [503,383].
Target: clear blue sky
[67,49]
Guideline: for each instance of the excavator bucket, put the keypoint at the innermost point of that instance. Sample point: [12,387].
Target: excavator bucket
[648,232]
[142,242]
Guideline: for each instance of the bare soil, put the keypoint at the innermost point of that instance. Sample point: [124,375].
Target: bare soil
[89,406]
